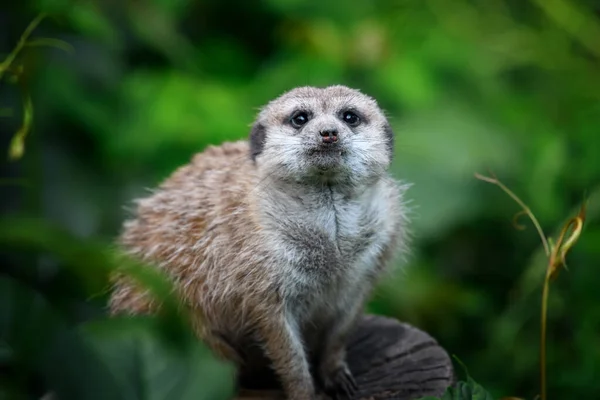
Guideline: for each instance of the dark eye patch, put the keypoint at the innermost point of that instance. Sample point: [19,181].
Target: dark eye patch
[351,118]
[258,135]
[389,135]
[299,119]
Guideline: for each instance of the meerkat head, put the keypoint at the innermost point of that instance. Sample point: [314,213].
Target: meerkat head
[334,134]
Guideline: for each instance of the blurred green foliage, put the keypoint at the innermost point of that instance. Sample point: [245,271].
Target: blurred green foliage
[464,390]
[54,336]
[469,85]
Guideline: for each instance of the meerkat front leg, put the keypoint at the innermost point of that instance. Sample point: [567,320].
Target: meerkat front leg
[334,374]
[284,348]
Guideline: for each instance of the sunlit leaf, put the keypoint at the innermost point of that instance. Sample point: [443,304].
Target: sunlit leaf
[556,254]
[569,235]
[16,148]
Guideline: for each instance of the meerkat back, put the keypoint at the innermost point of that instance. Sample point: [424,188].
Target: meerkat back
[190,227]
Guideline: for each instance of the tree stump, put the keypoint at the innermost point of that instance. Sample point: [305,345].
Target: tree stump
[389,360]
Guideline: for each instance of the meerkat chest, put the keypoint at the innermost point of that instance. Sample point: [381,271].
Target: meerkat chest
[327,241]
[348,229]
[345,239]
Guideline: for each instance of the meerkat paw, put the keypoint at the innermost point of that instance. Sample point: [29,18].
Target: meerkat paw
[339,383]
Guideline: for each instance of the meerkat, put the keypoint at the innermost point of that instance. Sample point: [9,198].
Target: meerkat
[276,242]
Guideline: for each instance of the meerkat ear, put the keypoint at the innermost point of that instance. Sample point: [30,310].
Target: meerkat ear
[258,135]
[389,135]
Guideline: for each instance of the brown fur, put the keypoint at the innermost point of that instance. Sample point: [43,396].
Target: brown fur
[247,239]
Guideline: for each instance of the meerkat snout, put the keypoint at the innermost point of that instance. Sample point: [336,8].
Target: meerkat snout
[329,136]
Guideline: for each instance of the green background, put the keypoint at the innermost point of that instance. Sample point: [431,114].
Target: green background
[511,87]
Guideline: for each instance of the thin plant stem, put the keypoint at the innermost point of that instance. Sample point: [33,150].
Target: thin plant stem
[556,254]
[526,209]
[545,291]
[5,65]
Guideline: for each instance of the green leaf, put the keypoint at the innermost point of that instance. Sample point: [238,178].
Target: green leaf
[118,358]
[472,390]
[464,390]
[50,42]
[92,263]
[153,369]
[469,390]
[23,315]
[37,339]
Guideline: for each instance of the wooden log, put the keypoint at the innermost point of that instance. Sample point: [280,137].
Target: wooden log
[389,360]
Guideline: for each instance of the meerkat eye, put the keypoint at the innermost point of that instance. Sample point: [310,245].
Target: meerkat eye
[299,118]
[350,118]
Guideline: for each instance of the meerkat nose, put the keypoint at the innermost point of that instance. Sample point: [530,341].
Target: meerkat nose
[329,135]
